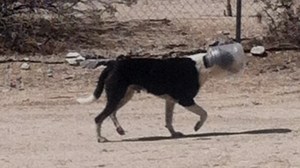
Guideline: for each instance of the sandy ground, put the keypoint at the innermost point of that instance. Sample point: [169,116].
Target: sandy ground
[253,122]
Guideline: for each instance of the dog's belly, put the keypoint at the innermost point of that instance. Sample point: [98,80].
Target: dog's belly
[138,89]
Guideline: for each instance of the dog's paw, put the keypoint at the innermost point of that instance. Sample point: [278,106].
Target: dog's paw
[177,134]
[102,140]
[198,125]
[120,131]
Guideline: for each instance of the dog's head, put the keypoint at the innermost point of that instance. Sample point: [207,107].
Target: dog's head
[226,59]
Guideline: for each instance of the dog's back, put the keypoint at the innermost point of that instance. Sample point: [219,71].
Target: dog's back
[167,76]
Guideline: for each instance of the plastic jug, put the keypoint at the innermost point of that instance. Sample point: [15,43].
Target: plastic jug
[230,57]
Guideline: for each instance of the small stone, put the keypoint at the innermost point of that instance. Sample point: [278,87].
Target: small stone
[49,72]
[223,32]
[73,55]
[50,75]
[80,58]
[26,59]
[70,77]
[25,66]
[72,61]
[74,58]
[258,51]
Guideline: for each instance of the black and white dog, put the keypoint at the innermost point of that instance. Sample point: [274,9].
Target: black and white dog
[177,80]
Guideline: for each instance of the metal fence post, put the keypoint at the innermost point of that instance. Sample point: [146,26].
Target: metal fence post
[238,20]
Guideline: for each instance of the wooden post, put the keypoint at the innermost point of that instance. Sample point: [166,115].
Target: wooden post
[229,8]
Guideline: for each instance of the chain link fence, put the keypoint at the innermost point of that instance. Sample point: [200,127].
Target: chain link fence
[122,27]
[182,24]
[202,20]
[276,22]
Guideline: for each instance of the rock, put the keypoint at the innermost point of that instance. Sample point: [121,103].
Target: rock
[224,32]
[72,61]
[25,66]
[49,72]
[70,77]
[74,58]
[73,55]
[80,59]
[258,51]
[26,59]
[50,75]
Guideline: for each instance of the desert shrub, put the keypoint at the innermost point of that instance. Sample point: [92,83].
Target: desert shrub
[283,20]
[51,26]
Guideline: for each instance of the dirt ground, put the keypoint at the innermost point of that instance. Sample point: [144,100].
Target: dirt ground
[253,121]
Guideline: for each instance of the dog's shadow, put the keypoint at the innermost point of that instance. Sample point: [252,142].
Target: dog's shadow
[213,134]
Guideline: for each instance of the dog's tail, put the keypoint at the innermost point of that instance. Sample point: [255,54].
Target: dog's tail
[100,85]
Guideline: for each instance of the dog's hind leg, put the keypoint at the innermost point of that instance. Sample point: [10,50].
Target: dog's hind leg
[108,110]
[127,97]
[114,96]
[196,109]
[169,118]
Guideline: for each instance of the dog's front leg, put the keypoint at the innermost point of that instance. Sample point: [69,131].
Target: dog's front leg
[169,119]
[199,111]
[119,128]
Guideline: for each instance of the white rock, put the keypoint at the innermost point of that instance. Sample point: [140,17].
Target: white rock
[26,59]
[49,72]
[71,61]
[258,50]
[25,66]
[73,55]
[80,58]
[224,32]
[50,75]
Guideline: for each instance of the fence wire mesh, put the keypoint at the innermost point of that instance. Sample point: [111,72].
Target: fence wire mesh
[190,24]
[178,24]
[118,27]
[277,20]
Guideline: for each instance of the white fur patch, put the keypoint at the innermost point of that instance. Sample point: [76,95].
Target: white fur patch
[203,72]
[198,58]
[85,100]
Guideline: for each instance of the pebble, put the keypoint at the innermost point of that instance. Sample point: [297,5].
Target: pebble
[25,66]
[258,51]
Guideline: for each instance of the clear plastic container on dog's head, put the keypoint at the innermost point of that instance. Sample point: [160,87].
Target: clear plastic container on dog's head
[226,59]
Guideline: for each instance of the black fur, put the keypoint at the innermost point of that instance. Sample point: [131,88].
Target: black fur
[175,77]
